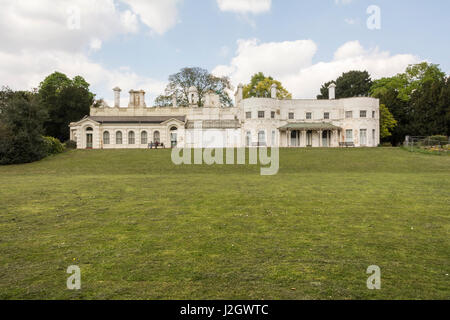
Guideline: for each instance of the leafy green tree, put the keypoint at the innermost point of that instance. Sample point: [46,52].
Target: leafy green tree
[65,100]
[179,84]
[21,119]
[260,86]
[417,100]
[387,122]
[349,84]
[409,81]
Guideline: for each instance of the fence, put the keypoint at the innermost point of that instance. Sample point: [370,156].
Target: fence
[434,144]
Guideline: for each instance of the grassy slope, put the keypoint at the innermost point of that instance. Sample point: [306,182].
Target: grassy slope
[140,227]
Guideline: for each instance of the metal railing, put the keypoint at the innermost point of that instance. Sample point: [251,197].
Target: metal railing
[427,144]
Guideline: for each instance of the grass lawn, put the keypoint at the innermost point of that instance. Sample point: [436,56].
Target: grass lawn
[140,227]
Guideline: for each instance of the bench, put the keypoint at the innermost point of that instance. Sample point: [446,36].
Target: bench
[156,145]
[346,144]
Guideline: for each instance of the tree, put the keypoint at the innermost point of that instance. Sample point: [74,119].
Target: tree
[428,113]
[417,100]
[65,101]
[21,119]
[409,81]
[387,122]
[163,101]
[260,86]
[444,104]
[349,84]
[202,80]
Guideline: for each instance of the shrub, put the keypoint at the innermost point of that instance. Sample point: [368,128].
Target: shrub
[53,145]
[385,145]
[70,144]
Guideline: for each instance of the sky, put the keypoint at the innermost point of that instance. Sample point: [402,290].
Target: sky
[137,44]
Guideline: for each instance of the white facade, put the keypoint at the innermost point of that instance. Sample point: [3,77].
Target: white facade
[251,122]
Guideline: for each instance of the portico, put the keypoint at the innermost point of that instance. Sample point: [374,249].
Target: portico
[303,134]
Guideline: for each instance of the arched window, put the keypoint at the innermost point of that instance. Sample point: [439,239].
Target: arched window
[131,139]
[144,137]
[89,129]
[106,137]
[119,137]
[156,137]
[261,138]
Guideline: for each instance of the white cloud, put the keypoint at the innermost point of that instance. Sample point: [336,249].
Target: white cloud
[96,44]
[42,36]
[61,25]
[343,2]
[349,50]
[29,68]
[275,58]
[245,6]
[291,63]
[351,21]
[158,15]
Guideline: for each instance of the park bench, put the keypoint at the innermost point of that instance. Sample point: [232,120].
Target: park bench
[346,144]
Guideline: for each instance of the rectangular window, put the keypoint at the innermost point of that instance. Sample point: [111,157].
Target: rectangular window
[349,135]
[272,114]
[363,114]
[308,116]
[261,114]
[373,137]
[291,116]
[248,115]
[326,115]
[363,137]
[274,143]
[348,114]
[373,114]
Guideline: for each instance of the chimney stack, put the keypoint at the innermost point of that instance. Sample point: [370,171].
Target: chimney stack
[142,103]
[239,95]
[117,97]
[332,91]
[273,91]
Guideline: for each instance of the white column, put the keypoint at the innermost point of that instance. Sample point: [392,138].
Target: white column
[288,138]
[303,138]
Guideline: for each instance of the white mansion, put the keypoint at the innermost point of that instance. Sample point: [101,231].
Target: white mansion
[251,122]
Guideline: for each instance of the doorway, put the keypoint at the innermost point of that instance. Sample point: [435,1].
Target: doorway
[173,137]
[294,139]
[326,138]
[309,139]
[89,140]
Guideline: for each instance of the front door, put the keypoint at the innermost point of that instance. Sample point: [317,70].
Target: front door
[363,137]
[325,139]
[294,139]
[89,141]
[309,139]
[173,139]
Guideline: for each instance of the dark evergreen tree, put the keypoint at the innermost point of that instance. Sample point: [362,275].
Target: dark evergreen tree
[21,119]
[349,84]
